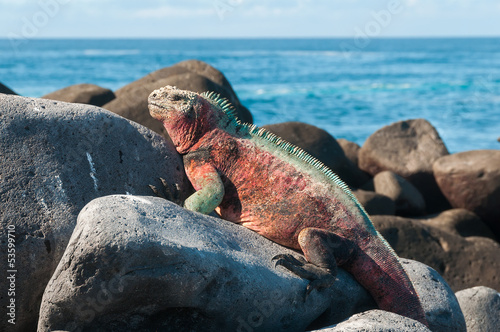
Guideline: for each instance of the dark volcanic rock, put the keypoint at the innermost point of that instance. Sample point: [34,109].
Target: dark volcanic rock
[459,222]
[408,200]
[481,308]
[143,263]
[471,180]
[90,94]
[463,262]
[407,148]
[5,90]
[375,204]
[132,100]
[350,149]
[321,145]
[56,157]
[204,69]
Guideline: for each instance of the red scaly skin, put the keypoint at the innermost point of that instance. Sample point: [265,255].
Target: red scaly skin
[252,181]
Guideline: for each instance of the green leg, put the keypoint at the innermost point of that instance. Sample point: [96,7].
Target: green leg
[209,186]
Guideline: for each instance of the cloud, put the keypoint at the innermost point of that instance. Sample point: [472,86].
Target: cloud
[13,3]
[277,9]
[265,11]
[173,12]
[219,18]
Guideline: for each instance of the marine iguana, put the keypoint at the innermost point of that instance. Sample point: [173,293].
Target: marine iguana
[254,178]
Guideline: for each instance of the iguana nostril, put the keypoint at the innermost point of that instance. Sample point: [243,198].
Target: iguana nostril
[154,95]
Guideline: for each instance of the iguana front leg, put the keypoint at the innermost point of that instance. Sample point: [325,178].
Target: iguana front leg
[208,185]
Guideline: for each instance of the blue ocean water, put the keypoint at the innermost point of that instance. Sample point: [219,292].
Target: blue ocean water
[348,87]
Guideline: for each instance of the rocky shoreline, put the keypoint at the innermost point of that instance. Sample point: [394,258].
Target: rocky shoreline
[95,251]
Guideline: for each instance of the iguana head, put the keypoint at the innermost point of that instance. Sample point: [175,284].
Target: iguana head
[186,115]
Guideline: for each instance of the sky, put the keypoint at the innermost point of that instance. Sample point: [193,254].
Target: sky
[247,18]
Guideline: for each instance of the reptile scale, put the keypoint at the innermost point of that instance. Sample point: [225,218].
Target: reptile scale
[254,178]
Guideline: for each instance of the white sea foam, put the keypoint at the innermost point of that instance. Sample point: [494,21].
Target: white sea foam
[106,52]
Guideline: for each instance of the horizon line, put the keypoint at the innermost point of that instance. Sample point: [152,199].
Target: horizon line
[251,37]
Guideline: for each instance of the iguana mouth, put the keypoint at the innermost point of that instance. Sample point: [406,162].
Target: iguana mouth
[159,112]
[158,106]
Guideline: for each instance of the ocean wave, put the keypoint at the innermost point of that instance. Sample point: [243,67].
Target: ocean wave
[274,90]
[107,52]
[381,86]
[272,53]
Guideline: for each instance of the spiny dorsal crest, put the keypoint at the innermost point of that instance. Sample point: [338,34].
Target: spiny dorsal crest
[222,102]
[229,109]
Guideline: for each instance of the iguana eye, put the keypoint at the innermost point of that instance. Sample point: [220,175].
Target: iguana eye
[176,98]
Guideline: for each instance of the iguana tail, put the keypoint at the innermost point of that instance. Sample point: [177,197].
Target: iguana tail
[386,280]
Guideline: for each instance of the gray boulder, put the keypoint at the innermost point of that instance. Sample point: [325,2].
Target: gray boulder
[471,180]
[407,148]
[481,308]
[375,203]
[408,200]
[440,304]
[57,157]
[90,94]
[464,262]
[143,263]
[377,321]
[350,149]
[460,222]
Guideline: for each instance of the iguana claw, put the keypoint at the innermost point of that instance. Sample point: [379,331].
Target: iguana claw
[319,278]
[156,192]
[166,193]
